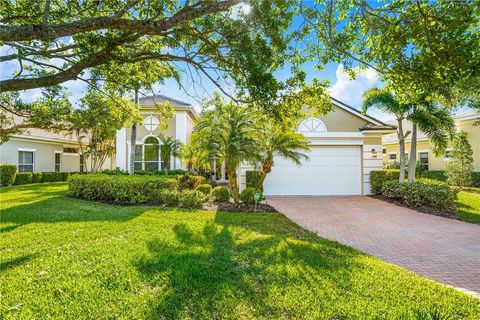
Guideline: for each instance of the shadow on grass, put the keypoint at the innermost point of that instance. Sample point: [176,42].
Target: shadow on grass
[15,262]
[235,257]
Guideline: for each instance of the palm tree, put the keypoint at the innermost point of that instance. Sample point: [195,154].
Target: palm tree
[437,124]
[228,134]
[193,157]
[385,101]
[170,147]
[284,143]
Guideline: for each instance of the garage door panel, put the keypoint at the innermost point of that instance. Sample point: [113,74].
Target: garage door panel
[329,171]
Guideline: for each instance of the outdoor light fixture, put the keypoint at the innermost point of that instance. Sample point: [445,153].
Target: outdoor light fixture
[374,154]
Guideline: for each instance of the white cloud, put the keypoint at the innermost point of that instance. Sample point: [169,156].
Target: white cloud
[350,91]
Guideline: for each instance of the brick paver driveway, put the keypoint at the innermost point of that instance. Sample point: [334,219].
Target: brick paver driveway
[438,248]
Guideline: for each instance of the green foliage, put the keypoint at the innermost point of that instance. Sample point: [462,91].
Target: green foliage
[37,177]
[392,165]
[247,195]
[476,179]
[170,147]
[193,199]
[221,194]
[7,174]
[190,182]
[252,178]
[169,198]
[378,178]
[173,172]
[422,193]
[118,189]
[459,168]
[435,175]
[54,176]
[204,188]
[116,171]
[23,178]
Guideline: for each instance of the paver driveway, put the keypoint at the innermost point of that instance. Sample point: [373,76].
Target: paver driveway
[437,248]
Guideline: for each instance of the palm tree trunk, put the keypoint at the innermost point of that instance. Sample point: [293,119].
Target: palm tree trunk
[232,182]
[401,143]
[261,180]
[133,139]
[413,155]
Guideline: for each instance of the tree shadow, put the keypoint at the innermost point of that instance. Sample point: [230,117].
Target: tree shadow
[15,262]
[203,269]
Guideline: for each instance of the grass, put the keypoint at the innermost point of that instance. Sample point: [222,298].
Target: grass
[70,259]
[468,204]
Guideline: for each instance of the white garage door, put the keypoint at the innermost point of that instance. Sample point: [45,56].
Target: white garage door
[330,170]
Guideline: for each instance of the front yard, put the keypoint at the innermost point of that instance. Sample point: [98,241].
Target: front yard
[468,204]
[67,258]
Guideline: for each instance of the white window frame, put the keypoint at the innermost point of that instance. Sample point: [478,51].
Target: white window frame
[151,123]
[316,125]
[447,158]
[143,151]
[33,151]
[392,160]
[55,162]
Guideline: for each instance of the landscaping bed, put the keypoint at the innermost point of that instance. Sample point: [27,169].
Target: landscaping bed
[64,258]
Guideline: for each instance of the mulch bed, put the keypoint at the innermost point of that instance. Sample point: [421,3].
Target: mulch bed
[242,207]
[451,213]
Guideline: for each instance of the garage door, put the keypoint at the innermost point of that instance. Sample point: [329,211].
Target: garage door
[330,170]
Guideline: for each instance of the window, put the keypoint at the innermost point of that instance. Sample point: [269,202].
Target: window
[82,163]
[312,125]
[58,160]
[150,123]
[384,150]
[392,156]
[70,150]
[25,161]
[147,155]
[423,158]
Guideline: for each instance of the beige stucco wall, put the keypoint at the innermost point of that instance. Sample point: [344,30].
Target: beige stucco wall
[44,155]
[190,125]
[340,120]
[473,135]
[142,131]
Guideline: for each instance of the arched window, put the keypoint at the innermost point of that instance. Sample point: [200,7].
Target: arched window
[150,123]
[147,155]
[312,125]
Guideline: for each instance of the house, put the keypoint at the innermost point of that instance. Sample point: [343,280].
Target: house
[346,146]
[465,122]
[38,150]
[147,144]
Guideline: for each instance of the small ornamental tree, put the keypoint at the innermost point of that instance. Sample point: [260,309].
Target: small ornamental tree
[459,169]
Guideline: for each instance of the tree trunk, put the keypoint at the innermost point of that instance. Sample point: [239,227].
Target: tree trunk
[133,140]
[401,143]
[412,163]
[232,182]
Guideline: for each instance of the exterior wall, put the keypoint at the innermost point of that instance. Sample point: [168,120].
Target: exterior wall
[190,125]
[473,135]
[340,120]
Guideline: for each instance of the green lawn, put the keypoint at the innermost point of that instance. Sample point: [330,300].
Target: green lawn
[469,206]
[65,258]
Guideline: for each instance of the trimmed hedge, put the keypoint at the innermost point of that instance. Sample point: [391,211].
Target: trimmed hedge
[54,176]
[252,178]
[23,178]
[169,198]
[221,194]
[190,182]
[37,177]
[192,199]
[118,189]
[476,179]
[378,178]
[422,193]
[247,195]
[204,188]
[7,174]
[173,172]
[435,175]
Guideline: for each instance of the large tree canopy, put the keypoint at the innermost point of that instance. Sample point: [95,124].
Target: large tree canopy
[423,48]
[56,41]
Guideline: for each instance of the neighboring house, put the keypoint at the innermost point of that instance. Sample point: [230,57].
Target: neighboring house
[465,122]
[148,142]
[346,146]
[38,150]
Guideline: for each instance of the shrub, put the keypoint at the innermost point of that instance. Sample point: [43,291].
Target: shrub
[204,188]
[189,182]
[7,174]
[174,172]
[460,167]
[247,195]
[170,198]
[252,178]
[476,179]
[378,178]
[435,175]
[392,165]
[193,199]
[23,178]
[54,176]
[221,194]
[422,193]
[118,189]
[116,171]
[37,177]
